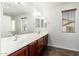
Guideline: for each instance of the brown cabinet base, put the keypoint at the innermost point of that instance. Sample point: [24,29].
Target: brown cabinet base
[40,45]
[33,49]
[21,52]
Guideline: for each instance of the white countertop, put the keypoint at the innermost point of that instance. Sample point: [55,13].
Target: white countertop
[8,45]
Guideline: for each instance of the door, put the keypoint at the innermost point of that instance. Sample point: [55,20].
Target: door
[40,45]
[45,40]
[33,49]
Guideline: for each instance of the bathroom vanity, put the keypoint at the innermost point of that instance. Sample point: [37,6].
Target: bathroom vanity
[23,33]
[31,46]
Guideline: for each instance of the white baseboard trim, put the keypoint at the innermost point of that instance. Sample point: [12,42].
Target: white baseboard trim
[64,48]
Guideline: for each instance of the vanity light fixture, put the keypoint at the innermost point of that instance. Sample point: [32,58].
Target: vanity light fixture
[20,3]
[45,21]
[17,3]
[24,18]
[36,13]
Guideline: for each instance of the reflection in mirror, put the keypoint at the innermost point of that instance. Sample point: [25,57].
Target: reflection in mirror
[6,26]
[68,20]
[12,32]
[37,21]
[21,20]
[40,23]
[43,23]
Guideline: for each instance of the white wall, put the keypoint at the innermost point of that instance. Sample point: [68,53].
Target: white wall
[56,37]
[1,14]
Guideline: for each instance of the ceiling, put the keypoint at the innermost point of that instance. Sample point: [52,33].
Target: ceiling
[14,9]
[20,8]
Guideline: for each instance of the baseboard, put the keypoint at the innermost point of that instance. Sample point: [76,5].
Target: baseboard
[64,48]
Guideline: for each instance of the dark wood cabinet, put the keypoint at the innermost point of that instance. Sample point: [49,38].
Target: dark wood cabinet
[27,52]
[21,52]
[45,40]
[40,45]
[33,49]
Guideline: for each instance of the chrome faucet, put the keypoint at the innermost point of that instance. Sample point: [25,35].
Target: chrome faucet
[14,34]
[16,37]
[38,32]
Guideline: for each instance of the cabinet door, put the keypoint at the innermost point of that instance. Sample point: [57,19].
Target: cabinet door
[45,40]
[22,52]
[40,45]
[27,52]
[33,49]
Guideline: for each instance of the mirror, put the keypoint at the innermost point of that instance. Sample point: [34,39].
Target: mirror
[6,26]
[20,19]
[68,20]
[17,25]
[40,22]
